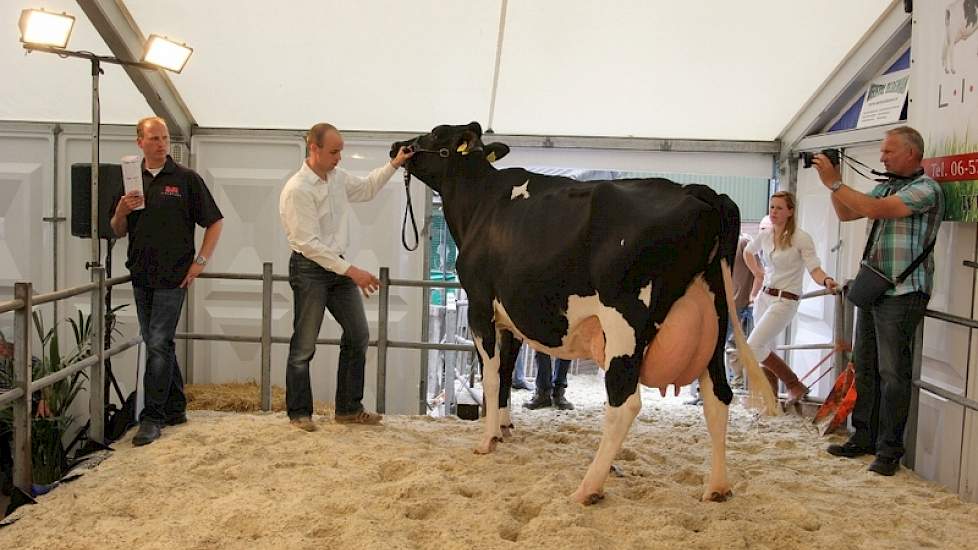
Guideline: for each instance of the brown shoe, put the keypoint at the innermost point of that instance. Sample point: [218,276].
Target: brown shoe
[362,417]
[304,423]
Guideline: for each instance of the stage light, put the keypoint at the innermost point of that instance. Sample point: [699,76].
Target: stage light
[45,28]
[166,54]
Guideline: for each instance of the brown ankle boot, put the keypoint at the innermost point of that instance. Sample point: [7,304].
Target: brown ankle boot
[772,379]
[774,364]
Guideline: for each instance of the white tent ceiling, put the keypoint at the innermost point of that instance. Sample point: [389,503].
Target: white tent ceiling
[703,69]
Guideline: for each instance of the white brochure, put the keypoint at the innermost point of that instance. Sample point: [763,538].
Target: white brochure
[132,175]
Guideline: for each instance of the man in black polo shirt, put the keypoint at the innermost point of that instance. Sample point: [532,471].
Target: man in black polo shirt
[163,264]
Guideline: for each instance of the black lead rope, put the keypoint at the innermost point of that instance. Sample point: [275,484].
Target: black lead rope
[408,208]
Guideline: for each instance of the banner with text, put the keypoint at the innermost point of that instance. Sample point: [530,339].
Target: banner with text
[884,99]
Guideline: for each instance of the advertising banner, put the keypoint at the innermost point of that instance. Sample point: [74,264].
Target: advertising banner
[884,99]
[944,98]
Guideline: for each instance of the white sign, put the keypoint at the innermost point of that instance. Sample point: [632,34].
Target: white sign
[884,99]
[132,175]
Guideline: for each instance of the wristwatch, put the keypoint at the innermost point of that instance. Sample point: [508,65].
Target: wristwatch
[836,186]
[200,260]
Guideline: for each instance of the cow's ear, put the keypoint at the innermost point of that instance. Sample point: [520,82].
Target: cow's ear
[475,127]
[496,151]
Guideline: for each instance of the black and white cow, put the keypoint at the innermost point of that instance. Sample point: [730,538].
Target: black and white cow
[631,273]
[960,22]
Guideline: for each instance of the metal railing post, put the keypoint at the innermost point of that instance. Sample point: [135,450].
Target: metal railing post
[382,314]
[96,376]
[23,475]
[266,336]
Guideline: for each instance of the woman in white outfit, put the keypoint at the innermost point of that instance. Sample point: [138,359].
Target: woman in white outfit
[785,253]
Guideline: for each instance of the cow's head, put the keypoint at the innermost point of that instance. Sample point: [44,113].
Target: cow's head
[449,151]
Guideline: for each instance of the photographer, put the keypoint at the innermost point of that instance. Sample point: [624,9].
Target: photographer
[907,210]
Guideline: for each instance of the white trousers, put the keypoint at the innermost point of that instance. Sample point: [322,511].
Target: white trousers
[771,316]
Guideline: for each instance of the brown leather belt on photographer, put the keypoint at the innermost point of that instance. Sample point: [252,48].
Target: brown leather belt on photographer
[779,293]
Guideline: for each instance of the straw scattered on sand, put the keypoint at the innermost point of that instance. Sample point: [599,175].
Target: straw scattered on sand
[228,480]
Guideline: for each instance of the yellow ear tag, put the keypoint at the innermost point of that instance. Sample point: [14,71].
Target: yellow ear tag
[491,157]
[462,148]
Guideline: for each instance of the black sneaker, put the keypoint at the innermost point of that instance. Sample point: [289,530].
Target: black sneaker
[148,433]
[849,450]
[885,466]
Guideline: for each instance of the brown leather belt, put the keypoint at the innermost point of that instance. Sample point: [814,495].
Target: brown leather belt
[779,293]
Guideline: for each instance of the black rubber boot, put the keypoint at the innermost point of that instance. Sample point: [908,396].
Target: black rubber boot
[541,399]
[561,402]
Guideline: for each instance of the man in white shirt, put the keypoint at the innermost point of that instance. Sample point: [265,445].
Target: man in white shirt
[315,211]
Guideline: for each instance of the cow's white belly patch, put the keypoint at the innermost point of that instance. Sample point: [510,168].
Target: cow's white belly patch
[589,322]
[680,351]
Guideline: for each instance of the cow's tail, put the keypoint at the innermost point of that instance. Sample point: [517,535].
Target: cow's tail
[760,395]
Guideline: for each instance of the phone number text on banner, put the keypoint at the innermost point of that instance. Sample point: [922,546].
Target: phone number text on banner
[952,168]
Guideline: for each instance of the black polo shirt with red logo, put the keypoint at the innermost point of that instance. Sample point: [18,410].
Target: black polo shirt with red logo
[161,236]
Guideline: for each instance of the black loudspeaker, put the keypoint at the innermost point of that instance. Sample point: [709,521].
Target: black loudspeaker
[110,188]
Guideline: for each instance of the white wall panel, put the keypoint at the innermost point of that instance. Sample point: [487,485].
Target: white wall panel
[246,176]
[26,172]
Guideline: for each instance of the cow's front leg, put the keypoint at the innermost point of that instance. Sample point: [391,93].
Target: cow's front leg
[617,421]
[490,396]
[717,486]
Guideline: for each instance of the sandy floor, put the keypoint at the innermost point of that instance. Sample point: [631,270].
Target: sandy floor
[251,481]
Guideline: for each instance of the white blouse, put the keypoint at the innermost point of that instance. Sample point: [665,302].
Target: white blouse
[784,268]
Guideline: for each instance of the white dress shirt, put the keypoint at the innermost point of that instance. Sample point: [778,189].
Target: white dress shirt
[316,213]
[784,267]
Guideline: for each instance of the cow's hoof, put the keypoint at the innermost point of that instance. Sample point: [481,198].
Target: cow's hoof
[507,431]
[717,496]
[587,499]
[487,447]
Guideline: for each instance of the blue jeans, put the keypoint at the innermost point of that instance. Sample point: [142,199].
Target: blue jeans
[547,379]
[315,289]
[519,369]
[883,354]
[158,310]
[746,317]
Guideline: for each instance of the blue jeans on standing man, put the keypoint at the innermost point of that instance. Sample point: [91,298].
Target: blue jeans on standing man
[158,310]
[883,354]
[315,290]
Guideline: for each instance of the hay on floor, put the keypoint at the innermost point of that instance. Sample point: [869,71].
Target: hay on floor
[240,397]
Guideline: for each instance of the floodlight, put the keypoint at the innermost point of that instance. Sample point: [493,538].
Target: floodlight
[45,28]
[166,54]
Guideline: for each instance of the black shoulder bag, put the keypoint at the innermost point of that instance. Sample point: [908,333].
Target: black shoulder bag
[870,284]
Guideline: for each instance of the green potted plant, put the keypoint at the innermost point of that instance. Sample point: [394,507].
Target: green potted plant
[51,405]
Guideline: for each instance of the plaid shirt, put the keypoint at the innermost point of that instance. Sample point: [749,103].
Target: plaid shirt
[901,240]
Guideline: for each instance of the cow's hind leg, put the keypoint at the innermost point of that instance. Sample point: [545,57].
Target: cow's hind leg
[490,396]
[617,421]
[715,411]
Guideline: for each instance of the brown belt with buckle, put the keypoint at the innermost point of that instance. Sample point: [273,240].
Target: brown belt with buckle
[779,293]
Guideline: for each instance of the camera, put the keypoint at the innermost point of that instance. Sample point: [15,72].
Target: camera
[832,154]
